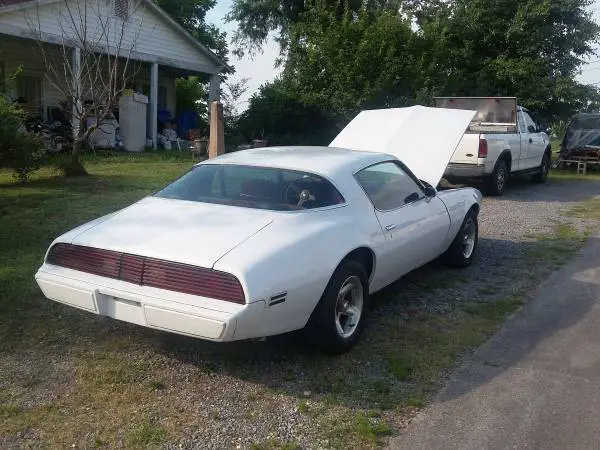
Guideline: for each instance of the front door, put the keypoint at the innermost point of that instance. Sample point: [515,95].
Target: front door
[415,226]
[533,143]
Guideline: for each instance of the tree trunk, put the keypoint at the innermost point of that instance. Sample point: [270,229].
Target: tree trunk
[74,167]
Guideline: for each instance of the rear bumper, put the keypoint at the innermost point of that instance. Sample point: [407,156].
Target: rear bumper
[184,314]
[457,170]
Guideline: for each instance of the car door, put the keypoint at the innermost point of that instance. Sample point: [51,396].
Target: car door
[415,226]
[534,143]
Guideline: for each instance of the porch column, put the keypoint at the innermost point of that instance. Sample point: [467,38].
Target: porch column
[215,89]
[76,91]
[153,104]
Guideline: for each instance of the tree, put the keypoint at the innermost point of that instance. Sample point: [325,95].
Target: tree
[347,61]
[231,97]
[91,67]
[531,49]
[277,114]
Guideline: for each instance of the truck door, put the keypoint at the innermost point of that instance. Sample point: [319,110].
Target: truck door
[533,143]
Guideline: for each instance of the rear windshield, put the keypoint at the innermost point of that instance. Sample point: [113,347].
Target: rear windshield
[253,187]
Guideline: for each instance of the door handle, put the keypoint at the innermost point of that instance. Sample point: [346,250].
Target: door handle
[390,227]
[530,140]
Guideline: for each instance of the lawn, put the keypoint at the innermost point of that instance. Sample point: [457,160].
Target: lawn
[68,378]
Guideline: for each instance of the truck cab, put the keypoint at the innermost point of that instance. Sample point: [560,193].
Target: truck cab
[503,139]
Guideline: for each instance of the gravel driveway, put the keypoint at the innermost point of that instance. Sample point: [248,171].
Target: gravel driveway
[265,394]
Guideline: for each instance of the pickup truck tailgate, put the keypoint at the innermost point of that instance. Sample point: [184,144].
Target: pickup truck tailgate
[467,150]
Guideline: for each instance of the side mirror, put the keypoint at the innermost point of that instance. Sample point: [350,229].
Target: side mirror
[430,191]
[531,129]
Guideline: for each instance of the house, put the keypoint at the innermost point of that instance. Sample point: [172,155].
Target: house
[161,49]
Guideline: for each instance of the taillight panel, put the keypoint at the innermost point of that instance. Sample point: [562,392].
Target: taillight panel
[145,271]
[483,149]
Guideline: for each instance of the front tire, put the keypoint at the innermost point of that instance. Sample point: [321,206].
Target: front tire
[497,183]
[542,174]
[337,321]
[464,246]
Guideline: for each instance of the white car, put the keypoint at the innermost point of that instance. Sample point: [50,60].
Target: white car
[271,240]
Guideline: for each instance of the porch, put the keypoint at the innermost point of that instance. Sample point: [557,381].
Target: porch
[160,50]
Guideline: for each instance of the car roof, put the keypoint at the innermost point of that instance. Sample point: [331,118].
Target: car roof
[330,162]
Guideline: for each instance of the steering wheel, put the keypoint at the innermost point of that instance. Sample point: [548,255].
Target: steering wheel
[295,194]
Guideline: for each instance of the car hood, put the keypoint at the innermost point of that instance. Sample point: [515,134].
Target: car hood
[422,138]
[175,230]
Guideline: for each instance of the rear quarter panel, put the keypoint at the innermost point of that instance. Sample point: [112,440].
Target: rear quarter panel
[297,255]
[498,143]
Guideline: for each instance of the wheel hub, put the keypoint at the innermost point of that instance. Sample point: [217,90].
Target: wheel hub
[469,236]
[349,306]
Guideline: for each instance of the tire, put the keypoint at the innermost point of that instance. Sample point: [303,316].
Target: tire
[542,174]
[464,246]
[329,329]
[497,182]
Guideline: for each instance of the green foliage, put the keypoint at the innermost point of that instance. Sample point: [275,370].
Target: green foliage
[347,60]
[191,94]
[21,151]
[530,49]
[344,56]
[276,114]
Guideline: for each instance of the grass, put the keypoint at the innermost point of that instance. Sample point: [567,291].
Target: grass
[118,384]
[558,248]
[145,435]
[588,209]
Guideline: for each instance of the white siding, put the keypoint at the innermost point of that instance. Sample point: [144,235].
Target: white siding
[148,34]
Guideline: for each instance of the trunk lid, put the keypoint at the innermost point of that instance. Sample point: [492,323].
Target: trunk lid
[175,230]
[422,138]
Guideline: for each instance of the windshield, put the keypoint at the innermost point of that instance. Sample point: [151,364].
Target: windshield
[253,187]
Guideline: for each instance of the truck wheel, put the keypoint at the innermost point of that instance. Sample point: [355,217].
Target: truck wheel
[462,250]
[338,319]
[497,183]
[542,174]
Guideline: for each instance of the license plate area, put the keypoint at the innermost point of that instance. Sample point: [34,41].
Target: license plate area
[117,307]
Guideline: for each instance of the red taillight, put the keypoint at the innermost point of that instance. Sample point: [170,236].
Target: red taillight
[483,149]
[149,272]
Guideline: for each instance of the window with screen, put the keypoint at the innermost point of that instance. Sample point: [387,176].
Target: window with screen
[388,186]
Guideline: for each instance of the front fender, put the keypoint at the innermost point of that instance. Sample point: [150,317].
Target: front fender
[458,203]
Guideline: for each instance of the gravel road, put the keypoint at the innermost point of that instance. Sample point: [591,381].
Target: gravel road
[244,394]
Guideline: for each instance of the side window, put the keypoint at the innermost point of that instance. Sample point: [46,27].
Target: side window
[522,126]
[388,186]
[529,122]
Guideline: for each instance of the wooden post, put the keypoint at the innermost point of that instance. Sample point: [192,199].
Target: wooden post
[154,104]
[216,145]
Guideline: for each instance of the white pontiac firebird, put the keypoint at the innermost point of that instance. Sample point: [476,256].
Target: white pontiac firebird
[270,240]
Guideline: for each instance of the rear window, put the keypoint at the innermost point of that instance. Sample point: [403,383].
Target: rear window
[253,187]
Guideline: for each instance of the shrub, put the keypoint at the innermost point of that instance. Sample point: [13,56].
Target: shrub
[20,151]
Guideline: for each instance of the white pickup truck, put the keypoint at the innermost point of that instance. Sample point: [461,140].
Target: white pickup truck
[502,140]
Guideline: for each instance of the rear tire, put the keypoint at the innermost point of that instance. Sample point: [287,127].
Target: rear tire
[464,246]
[497,183]
[338,319]
[542,174]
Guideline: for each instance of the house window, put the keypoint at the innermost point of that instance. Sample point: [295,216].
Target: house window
[29,95]
[122,9]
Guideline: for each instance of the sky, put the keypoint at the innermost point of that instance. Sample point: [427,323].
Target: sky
[260,69]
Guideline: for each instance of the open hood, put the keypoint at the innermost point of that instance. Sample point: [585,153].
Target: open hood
[422,138]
